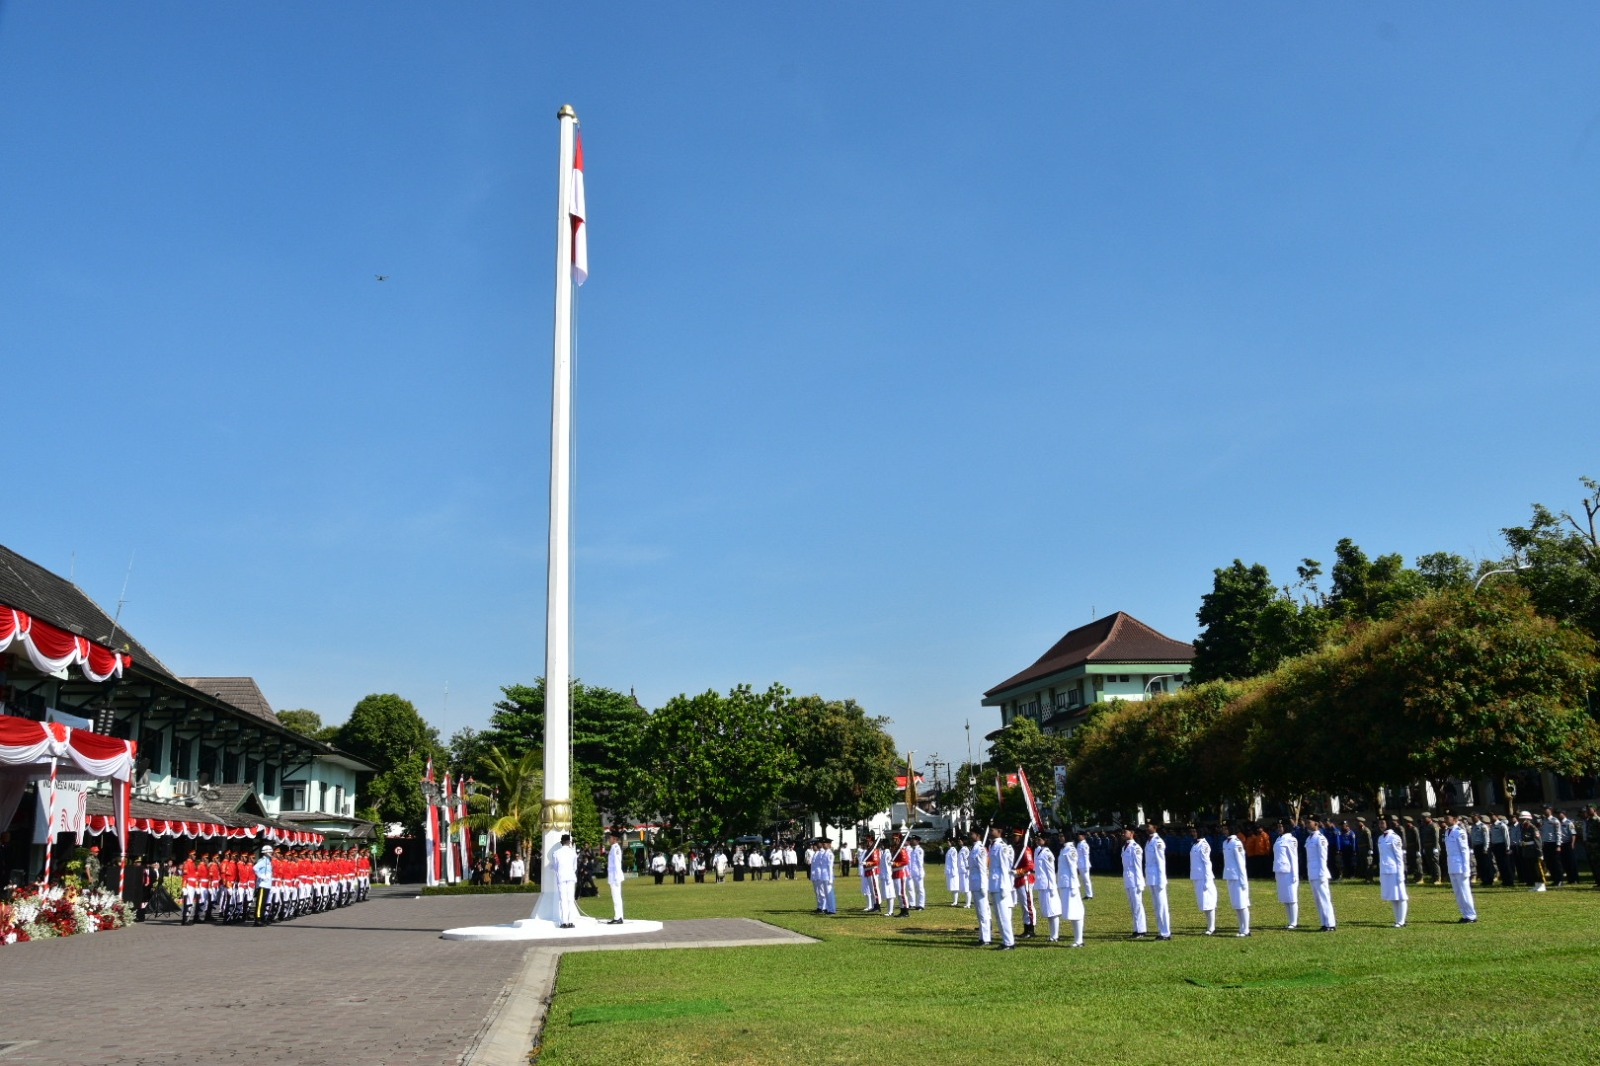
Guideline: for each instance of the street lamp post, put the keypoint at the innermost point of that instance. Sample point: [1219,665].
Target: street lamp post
[1513,568]
[1153,680]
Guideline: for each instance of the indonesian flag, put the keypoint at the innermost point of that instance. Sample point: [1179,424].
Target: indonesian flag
[447,840]
[1035,821]
[577,213]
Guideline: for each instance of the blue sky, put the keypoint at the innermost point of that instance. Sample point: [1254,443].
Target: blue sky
[915,334]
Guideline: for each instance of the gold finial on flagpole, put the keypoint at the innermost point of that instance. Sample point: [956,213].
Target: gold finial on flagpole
[567,112]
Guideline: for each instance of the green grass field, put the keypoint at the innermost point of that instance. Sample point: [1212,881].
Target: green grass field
[1520,987]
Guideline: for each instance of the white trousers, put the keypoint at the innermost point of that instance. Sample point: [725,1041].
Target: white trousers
[919,891]
[1136,906]
[1462,885]
[1002,910]
[1322,895]
[828,904]
[569,901]
[983,918]
[616,897]
[1158,900]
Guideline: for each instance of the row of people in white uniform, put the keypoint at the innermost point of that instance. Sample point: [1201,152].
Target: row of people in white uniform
[1060,877]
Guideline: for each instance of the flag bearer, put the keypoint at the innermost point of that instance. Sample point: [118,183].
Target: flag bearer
[1023,881]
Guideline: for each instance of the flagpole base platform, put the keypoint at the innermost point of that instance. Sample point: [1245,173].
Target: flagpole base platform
[542,929]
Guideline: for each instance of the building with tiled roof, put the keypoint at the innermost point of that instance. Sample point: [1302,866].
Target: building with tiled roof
[1115,657]
[211,752]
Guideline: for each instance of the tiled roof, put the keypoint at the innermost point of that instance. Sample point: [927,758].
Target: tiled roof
[1116,638]
[27,586]
[240,692]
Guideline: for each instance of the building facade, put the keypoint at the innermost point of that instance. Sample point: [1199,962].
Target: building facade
[1115,657]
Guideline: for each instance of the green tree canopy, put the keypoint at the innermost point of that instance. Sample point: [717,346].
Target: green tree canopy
[1249,626]
[846,762]
[308,724]
[386,732]
[606,728]
[716,765]
[1024,744]
[1563,551]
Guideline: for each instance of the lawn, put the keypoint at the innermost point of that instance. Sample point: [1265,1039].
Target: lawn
[1519,987]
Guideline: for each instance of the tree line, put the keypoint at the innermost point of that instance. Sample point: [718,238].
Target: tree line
[1394,675]
[707,767]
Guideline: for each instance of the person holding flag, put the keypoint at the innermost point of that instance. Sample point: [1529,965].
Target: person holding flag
[1023,881]
[899,878]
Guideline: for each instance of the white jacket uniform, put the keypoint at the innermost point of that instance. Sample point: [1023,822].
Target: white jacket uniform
[1318,874]
[1071,891]
[1392,867]
[1083,869]
[1046,883]
[822,880]
[614,879]
[1286,867]
[952,870]
[1458,863]
[1200,874]
[1133,883]
[918,871]
[1233,872]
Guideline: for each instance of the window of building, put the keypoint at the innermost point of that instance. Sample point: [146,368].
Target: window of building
[269,779]
[294,796]
[182,757]
[153,749]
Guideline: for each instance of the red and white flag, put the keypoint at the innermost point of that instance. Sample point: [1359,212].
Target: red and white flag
[577,214]
[1034,821]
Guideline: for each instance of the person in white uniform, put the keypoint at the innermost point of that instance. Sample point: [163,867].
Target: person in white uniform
[614,877]
[1320,874]
[1133,880]
[978,876]
[822,876]
[1082,848]
[1233,872]
[1047,887]
[565,861]
[1203,878]
[1155,876]
[1392,871]
[1071,892]
[919,875]
[1458,864]
[1002,893]
[952,871]
[1286,868]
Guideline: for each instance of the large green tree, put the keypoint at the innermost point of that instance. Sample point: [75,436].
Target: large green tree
[606,728]
[845,761]
[1368,589]
[1458,684]
[1024,744]
[386,732]
[1562,551]
[715,766]
[1249,626]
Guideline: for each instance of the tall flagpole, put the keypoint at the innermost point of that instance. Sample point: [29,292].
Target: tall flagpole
[555,815]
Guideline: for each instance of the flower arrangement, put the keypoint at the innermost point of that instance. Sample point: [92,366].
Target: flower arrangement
[60,910]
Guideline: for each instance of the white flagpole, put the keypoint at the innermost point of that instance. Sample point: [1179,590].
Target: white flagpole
[555,815]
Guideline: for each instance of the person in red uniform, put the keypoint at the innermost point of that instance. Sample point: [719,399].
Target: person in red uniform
[212,880]
[1023,881]
[869,876]
[900,870]
[191,874]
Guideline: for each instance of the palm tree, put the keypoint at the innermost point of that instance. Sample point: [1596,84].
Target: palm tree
[510,808]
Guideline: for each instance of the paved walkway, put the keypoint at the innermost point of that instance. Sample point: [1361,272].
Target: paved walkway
[369,984]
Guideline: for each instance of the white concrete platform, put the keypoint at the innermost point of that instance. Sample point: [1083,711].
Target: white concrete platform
[540,929]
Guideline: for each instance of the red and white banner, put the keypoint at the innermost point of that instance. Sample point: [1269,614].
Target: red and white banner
[24,742]
[51,648]
[62,809]
[430,832]
[201,830]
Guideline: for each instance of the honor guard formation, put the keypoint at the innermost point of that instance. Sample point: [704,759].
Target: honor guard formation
[228,887]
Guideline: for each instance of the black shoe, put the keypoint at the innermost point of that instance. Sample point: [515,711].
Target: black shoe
[1004,947]
[1163,938]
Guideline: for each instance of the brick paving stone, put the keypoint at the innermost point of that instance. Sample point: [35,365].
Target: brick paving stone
[368,984]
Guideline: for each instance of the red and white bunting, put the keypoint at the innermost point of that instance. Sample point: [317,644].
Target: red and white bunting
[51,648]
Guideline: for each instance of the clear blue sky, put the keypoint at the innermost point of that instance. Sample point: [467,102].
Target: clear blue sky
[915,333]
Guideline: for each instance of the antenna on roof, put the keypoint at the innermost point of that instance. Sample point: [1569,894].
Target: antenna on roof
[111,641]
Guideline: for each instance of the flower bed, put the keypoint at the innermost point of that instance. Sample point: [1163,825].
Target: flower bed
[60,911]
